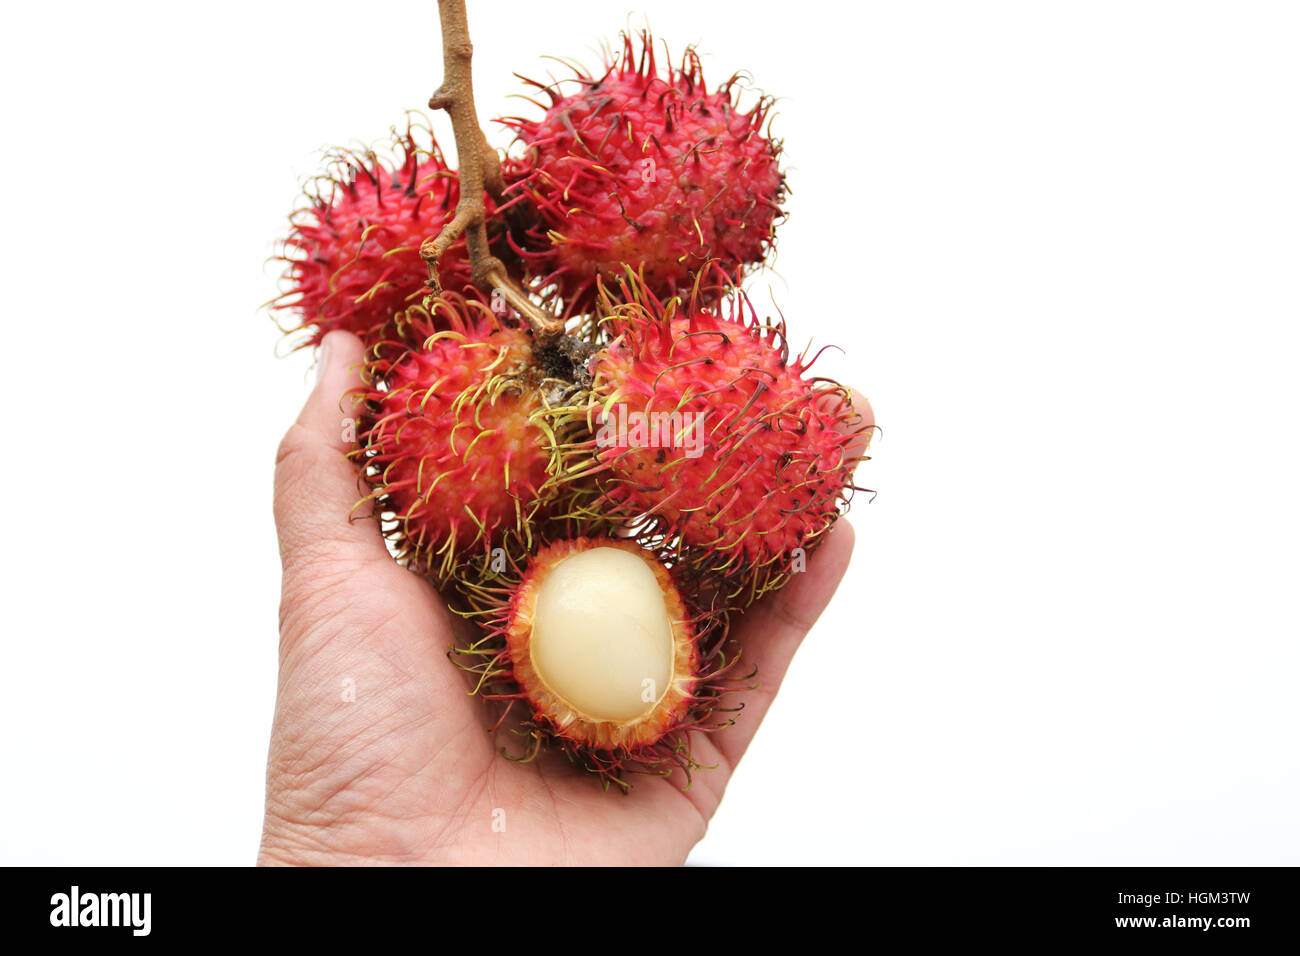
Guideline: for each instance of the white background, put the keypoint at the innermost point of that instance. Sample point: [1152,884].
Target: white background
[1057,242]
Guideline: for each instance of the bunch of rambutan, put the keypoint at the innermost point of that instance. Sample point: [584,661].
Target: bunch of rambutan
[600,490]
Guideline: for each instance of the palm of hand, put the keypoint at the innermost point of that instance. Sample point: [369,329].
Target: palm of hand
[378,753]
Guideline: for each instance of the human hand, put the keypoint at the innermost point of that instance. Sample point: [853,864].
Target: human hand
[406,772]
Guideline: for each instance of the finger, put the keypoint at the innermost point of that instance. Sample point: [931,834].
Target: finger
[316,486]
[771,631]
[860,425]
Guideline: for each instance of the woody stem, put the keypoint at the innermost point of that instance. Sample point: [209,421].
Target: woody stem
[480,170]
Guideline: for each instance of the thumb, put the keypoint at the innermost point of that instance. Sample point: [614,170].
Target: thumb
[316,486]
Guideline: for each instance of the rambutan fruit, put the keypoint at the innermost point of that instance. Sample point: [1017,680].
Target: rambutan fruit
[454,448]
[713,440]
[643,169]
[352,257]
[611,663]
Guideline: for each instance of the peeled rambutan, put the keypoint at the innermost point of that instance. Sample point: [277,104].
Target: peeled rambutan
[352,257]
[642,169]
[713,440]
[606,655]
[452,443]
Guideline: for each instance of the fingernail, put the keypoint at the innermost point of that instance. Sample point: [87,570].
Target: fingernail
[322,358]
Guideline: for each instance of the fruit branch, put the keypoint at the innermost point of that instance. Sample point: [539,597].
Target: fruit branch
[480,169]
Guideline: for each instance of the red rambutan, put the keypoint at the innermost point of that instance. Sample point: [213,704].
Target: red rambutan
[453,446]
[712,439]
[352,257]
[647,170]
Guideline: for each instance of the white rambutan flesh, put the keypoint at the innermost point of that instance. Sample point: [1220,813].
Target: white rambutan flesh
[601,644]
[602,638]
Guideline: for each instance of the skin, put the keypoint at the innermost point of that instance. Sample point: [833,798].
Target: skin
[407,772]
